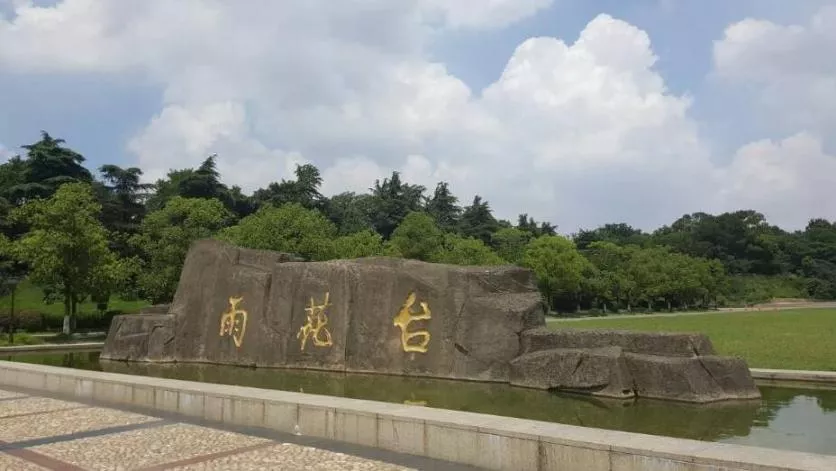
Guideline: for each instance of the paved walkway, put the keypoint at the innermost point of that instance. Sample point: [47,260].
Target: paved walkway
[38,433]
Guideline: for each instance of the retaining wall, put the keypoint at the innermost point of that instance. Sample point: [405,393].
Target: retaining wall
[481,440]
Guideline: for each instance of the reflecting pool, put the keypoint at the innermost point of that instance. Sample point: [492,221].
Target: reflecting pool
[802,419]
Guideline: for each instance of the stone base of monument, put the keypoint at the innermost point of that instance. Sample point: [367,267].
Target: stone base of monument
[238,306]
[623,364]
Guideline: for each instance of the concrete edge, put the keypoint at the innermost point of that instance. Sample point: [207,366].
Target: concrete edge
[480,440]
[802,376]
[52,347]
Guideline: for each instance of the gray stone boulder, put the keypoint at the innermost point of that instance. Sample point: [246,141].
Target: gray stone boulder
[237,306]
[259,308]
[695,379]
[650,343]
[596,371]
[618,364]
[140,337]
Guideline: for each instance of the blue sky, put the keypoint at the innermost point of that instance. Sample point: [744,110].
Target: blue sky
[131,95]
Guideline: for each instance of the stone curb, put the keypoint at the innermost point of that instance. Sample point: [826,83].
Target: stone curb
[480,440]
[51,347]
[827,377]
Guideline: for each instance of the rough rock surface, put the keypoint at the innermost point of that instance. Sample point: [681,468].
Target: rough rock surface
[696,379]
[614,363]
[258,308]
[141,337]
[596,371]
[477,314]
[650,343]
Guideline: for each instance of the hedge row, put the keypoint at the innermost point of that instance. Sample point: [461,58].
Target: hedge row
[35,321]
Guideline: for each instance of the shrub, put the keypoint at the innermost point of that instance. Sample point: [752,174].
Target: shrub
[25,320]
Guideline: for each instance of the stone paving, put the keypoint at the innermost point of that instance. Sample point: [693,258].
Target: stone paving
[40,433]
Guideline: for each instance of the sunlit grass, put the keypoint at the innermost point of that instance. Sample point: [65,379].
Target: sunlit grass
[803,339]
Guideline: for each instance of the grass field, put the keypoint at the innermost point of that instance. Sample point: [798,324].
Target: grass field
[803,339]
[30,298]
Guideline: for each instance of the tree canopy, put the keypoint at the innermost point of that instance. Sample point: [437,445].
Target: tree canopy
[78,235]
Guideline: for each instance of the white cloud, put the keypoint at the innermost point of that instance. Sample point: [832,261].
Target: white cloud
[5,153]
[486,13]
[579,133]
[790,67]
[791,178]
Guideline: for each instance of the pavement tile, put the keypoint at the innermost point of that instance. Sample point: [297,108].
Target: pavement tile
[62,422]
[28,405]
[145,447]
[288,456]
[10,463]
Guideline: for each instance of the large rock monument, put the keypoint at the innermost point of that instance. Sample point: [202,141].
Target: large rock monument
[385,315]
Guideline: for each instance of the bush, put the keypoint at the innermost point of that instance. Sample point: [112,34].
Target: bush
[25,320]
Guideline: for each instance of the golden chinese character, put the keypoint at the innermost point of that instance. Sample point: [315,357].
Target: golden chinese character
[234,321]
[406,317]
[316,325]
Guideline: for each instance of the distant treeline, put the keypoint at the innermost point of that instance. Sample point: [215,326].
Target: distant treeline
[80,236]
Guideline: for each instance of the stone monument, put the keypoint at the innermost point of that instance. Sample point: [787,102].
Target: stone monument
[404,317]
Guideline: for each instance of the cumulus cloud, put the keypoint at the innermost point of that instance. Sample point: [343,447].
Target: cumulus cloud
[577,132]
[791,178]
[789,66]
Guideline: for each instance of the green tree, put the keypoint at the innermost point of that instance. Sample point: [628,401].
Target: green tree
[417,237]
[477,221]
[392,200]
[304,190]
[457,250]
[350,212]
[558,265]
[290,228]
[510,243]
[66,249]
[165,237]
[48,165]
[367,243]
[443,207]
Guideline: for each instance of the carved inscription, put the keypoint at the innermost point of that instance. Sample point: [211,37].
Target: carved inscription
[234,321]
[315,327]
[405,317]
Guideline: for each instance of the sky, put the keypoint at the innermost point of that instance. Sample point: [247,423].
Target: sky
[579,112]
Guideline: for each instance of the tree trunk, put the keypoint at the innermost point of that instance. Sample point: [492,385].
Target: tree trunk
[12,318]
[67,310]
[73,314]
[670,309]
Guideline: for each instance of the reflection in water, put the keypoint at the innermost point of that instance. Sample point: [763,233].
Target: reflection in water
[788,418]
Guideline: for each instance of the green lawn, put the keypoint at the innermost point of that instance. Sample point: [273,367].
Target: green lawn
[803,339]
[30,298]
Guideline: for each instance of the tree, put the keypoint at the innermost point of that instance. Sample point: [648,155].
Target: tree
[290,228]
[477,221]
[558,265]
[121,197]
[350,212]
[67,249]
[365,243]
[392,200]
[417,237]
[48,165]
[304,190]
[457,250]
[165,237]
[510,243]
[528,224]
[443,207]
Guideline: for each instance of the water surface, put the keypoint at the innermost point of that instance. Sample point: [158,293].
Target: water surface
[801,419]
